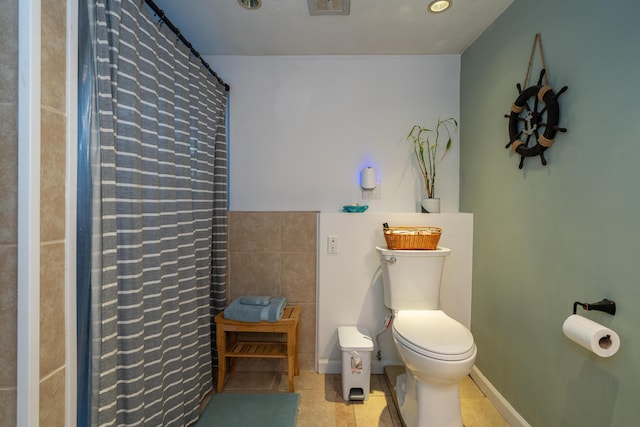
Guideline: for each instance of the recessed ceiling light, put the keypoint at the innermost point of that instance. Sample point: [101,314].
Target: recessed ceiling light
[250,4]
[438,6]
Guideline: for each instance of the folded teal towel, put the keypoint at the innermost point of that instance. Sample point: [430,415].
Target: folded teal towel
[256,313]
[255,300]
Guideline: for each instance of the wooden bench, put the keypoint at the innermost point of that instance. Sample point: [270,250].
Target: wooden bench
[289,324]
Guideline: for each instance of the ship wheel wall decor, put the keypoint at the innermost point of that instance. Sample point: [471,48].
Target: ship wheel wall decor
[538,121]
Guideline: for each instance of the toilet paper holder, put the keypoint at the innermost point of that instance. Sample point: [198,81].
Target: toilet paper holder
[605,305]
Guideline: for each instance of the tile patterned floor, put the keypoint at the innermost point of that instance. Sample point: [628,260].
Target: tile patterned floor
[321,403]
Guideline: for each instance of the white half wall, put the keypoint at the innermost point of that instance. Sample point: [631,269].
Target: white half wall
[350,283]
[302,128]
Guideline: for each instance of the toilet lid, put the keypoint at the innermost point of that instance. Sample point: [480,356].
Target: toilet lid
[433,334]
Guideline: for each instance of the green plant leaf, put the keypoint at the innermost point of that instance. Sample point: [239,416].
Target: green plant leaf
[428,159]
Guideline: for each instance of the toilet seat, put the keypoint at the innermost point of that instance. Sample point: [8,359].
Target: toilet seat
[433,334]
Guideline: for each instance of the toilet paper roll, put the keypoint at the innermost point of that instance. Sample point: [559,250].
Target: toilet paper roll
[591,335]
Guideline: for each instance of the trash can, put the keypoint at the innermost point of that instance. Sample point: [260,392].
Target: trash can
[356,346]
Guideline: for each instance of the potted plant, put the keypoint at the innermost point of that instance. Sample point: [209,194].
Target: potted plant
[429,152]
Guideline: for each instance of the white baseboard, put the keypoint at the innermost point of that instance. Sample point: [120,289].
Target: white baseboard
[506,410]
[326,366]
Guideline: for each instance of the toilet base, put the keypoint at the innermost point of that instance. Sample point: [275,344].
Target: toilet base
[424,404]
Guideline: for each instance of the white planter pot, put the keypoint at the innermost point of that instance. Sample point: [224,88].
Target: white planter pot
[430,205]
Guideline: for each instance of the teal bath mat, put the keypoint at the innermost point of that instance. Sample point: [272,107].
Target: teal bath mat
[251,410]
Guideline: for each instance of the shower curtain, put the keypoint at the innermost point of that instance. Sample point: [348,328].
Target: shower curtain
[152,220]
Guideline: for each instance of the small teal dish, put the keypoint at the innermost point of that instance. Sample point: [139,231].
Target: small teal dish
[355,208]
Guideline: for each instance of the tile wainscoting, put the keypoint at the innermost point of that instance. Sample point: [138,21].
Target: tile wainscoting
[274,253]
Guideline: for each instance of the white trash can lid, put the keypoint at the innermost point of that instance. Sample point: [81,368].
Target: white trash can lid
[353,338]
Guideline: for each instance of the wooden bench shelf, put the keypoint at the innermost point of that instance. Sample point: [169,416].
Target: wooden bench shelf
[258,349]
[229,346]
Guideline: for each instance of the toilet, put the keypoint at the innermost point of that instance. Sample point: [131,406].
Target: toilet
[437,351]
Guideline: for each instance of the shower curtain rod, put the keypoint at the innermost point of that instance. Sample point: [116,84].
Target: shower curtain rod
[160,13]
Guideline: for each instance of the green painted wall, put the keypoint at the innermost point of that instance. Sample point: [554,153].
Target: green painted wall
[546,236]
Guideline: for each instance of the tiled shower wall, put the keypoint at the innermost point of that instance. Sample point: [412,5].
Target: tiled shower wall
[52,214]
[274,253]
[8,208]
[52,211]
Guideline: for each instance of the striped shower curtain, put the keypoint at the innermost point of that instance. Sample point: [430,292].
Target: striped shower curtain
[160,269]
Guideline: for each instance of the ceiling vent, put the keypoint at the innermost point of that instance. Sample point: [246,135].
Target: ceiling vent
[328,7]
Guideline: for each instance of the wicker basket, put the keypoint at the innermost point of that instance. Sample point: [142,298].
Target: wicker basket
[412,237]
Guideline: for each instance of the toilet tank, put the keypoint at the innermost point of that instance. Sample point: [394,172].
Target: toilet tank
[412,277]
